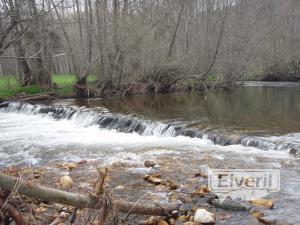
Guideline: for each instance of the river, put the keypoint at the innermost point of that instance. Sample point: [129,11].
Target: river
[251,127]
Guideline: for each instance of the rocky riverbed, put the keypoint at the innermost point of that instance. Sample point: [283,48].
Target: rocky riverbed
[159,180]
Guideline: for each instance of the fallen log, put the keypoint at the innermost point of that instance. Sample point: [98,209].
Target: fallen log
[77,200]
[36,97]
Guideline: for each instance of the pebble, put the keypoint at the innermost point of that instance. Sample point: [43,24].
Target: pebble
[204,217]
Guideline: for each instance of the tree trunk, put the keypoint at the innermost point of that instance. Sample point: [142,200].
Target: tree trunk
[26,73]
[80,200]
[80,88]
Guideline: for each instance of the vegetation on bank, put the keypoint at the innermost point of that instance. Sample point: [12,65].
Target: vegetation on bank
[63,85]
[129,47]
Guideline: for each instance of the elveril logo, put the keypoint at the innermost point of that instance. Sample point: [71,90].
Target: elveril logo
[243,184]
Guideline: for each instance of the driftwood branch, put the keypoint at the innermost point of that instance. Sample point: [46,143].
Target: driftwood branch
[77,200]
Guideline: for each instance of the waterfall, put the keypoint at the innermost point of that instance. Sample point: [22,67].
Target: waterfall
[132,124]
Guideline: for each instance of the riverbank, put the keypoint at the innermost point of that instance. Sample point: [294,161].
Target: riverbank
[63,85]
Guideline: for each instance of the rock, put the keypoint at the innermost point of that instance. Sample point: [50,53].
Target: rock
[229,205]
[268,220]
[203,171]
[201,191]
[293,151]
[40,209]
[204,217]
[256,213]
[70,166]
[4,104]
[149,163]
[191,223]
[84,185]
[162,222]
[262,203]
[171,184]
[120,188]
[201,174]
[37,174]
[66,182]
[153,179]
[172,221]
[82,162]
[273,220]
[183,218]
[153,220]
[235,139]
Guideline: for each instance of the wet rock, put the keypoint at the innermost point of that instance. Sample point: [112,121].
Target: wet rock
[229,204]
[3,104]
[204,217]
[292,151]
[70,166]
[235,139]
[185,198]
[149,163]
[262,203]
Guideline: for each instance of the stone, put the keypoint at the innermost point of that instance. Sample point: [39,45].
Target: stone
[262,203]
[235,139]
[149,163]
[292,151]
[204,217]
[229,204]
[66,182]
[162,222]
[70,166]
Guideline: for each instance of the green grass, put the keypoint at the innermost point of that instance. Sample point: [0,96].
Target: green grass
[9,86]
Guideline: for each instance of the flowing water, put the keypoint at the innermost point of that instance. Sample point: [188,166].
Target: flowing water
[251,127]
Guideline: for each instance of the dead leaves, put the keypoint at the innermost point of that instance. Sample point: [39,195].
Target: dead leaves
[201,192]
[156,179]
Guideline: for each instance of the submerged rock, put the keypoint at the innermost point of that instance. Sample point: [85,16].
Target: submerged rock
[204,217]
